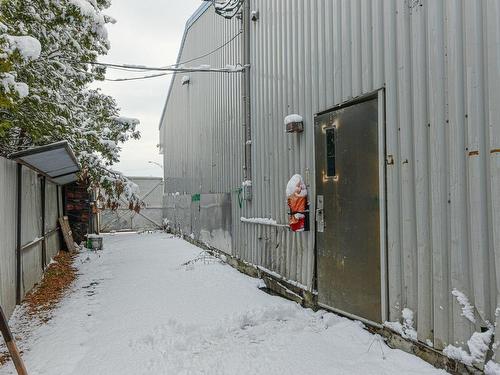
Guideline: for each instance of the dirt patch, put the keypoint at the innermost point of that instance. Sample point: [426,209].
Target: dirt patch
[58,277]
[43,298]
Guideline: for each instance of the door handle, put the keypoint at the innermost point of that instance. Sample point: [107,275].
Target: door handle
[320,215]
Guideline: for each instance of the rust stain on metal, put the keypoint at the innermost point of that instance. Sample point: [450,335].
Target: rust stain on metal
[473,153]
[495,151]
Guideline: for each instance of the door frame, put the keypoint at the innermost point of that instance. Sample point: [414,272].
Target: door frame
[378,94]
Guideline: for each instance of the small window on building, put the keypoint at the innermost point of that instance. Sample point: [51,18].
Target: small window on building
[330,152]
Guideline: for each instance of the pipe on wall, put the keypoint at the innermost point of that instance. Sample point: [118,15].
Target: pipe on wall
[245,89]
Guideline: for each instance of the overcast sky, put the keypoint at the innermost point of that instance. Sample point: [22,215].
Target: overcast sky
[148,32]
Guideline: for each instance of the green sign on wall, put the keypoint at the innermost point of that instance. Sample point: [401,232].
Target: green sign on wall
[195,197]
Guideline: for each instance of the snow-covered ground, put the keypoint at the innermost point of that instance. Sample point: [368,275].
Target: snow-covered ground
[136,309]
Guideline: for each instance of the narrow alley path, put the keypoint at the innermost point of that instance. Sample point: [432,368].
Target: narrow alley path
[136,309]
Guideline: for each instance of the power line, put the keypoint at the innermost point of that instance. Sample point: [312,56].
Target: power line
[202,68]
[141,68]
[209,53]
[137,78]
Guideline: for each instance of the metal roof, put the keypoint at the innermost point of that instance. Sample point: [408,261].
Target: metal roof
[56,161]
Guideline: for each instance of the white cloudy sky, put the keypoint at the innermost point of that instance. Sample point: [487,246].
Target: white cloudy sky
[148,32]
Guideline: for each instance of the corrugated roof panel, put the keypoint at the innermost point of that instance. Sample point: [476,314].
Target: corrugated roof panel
[65,179]
[55,161]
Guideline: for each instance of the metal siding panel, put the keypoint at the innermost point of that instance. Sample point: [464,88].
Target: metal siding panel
[439,183]
[406,162]
[357,72]
[346,50]
[367,41]
[477,156]
[393,173]
[8,209]
[422,185]
[493,23]
[51,220]
[459,234]
[31,229]
[378,42]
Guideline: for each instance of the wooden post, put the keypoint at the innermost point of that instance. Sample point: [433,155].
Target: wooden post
[11,345]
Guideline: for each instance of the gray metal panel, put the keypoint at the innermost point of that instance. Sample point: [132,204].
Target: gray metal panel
[439,65]
[215,221]
[8,208]
[51,220]
[31,229]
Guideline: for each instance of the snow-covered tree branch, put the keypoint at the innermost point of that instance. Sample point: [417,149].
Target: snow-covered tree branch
[46,47]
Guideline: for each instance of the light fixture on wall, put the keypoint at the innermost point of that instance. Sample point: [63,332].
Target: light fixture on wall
[294,124]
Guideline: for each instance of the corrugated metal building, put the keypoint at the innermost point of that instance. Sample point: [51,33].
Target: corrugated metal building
[424,78]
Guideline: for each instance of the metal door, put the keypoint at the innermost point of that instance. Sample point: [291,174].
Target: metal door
[348,210]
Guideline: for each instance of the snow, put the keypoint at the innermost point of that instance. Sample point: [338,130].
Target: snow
[467,307]
[292,185]
[478,346]
[98,20]
[405,329]
[259,220]
[492,368]
[9,85]
[458,354]
[293,118]
[135,309]
[408,324]
[28,47]
[279,277]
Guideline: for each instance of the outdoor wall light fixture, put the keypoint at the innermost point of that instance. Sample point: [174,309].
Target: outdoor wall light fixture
[185,80]
[294,124]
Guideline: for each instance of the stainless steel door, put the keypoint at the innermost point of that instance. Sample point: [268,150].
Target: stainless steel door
[348,210]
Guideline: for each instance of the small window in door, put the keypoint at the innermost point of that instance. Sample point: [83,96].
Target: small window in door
[330,152]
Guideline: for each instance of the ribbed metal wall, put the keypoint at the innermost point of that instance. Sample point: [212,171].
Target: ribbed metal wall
[53,211]
[438,62]
[8,228]
[31,229]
